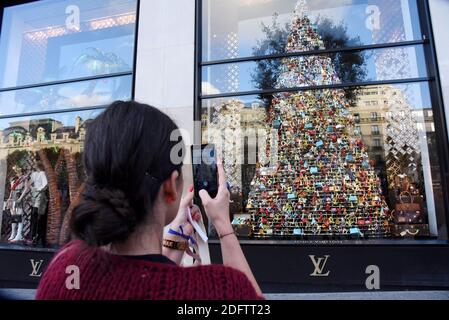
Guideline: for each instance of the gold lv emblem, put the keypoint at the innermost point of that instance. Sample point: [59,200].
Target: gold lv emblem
[320,265]
[36,265]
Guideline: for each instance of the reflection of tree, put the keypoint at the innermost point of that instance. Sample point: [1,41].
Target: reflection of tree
[349,66]
[267,71]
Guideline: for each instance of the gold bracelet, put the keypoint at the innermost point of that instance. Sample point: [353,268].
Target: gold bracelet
[175,245]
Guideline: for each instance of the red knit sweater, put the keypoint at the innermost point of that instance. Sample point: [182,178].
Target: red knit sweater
[104,276]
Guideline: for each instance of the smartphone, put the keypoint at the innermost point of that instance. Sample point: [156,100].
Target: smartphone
[205,172]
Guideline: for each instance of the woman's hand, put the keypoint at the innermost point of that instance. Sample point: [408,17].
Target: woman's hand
[181,219]
[181,225]
[218,212]
[217,209]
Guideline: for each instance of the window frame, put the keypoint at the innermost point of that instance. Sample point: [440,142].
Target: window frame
[432,79]
[375,130]
[132,73]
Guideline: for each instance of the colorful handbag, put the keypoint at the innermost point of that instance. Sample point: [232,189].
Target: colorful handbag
[408,212]
[277,124]
[314,170]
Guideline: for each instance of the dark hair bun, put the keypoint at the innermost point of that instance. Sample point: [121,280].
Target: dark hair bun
[103,216]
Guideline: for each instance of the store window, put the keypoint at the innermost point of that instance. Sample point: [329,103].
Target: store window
[323,115]
[79,94]
[55,40]
[61,63]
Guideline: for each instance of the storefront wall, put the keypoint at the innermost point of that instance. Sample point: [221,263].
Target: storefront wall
[249,52]
[166,75]
[165,62]
[279,265]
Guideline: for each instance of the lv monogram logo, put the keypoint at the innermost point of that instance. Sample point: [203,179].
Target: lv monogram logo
[36,265]
[320,265]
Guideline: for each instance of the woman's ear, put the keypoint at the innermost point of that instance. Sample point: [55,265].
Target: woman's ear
[170,188]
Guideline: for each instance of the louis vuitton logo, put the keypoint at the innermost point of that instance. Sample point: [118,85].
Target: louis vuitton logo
[320,265]
[36,265]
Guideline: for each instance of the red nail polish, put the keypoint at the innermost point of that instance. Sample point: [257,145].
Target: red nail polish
[191,189]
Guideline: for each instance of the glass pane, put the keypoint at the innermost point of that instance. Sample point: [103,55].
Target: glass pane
[240,28]
[358,163]
[58,40]
[65,96]
[43,153]
[345,67]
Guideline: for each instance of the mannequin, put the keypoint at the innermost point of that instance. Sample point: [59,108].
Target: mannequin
[15,204]
[38,185]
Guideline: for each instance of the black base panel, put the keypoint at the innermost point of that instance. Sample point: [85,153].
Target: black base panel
[289,268]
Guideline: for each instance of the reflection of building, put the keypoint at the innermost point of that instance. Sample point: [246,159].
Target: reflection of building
[369,114]
[41,134]
[239,132]
[225,132]
[392,130]
[254,125]
[254,118]
[234,130]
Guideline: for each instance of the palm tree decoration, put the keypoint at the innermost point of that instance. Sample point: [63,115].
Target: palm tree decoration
[54,208]
[100,63]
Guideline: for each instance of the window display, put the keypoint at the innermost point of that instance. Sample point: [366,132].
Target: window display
[322,160]
[60,40]
[61,63]
[324,182]
[41,175]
